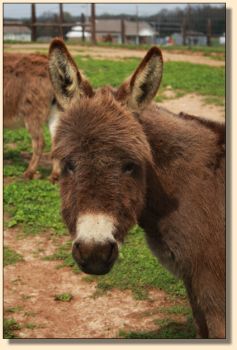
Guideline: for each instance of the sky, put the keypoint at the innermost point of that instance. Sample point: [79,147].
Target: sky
[24,10]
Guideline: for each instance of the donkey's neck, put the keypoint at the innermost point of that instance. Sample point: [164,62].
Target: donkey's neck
[186,154]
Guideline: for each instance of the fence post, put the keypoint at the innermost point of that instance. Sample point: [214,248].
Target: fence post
[93,29]
[209,32]
[183,30]
[33,21]
[61,20]
[122,31]
[83,19]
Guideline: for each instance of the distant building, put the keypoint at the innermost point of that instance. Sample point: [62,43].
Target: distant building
[111,30]
[16,33]
[222,39]
[134,32]
[192,38]
[77,33]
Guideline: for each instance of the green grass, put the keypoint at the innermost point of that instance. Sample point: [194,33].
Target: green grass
[63,254]
[182,77]
[9,327]
[34,205]
[176,310]
[14,309]
[168,329]
[15,142]
[11,257]
[30,325]
[65,297]
[22,139]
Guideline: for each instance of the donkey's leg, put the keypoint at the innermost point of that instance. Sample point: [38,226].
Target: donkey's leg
[216,326]
[36,132]
[53,120]
[198,314]
[215,310]
[55,171]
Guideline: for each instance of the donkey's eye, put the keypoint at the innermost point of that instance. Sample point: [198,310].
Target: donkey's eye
[130,168]
[69,167]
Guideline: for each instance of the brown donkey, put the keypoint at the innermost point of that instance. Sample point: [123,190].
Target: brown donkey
[29,101]
[124,161]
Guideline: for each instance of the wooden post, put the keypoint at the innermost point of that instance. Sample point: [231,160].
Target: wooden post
[93,28]
[61,20]
[83,19]
[137,26]
[209,32]
[33,21]
[183,31]
[123,31]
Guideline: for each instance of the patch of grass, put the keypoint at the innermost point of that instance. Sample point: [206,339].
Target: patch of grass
[30,314]
[106,72]
[14,309]
[9,327]
[34,205]
[66,297]
[176,310]
[19,137]
[30,325]
[168,329]
[201,79]
[136,269]
[215,100]
[26,297]
[182,77]
[11,257]
[15,142]
[63,253]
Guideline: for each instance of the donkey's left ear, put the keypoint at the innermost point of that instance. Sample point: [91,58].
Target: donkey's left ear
[143,85]
[66,79]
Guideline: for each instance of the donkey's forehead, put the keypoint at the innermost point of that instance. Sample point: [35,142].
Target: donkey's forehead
[101,124]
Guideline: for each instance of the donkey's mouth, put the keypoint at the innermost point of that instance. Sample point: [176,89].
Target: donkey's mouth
[97,269]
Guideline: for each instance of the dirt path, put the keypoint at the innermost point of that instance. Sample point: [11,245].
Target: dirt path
[32,284]
[196,105]
[117,53]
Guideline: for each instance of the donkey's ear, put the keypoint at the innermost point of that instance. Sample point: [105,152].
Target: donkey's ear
[143,85]
[65,77]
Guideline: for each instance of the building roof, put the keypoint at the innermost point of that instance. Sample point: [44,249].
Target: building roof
[16,30]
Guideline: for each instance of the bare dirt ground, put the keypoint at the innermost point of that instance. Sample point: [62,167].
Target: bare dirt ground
[193,104]
[117,53]
[32,284]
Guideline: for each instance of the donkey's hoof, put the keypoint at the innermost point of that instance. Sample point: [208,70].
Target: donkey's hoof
[28,174]
[54,178]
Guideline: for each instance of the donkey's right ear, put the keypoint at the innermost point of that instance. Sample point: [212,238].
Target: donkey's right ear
[65,77]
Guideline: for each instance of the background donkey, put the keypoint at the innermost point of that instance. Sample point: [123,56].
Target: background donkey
[29,101]
[124,161]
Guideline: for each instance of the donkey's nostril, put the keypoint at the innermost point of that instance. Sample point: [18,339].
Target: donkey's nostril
[113,251]
[77,252]
[77,245]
